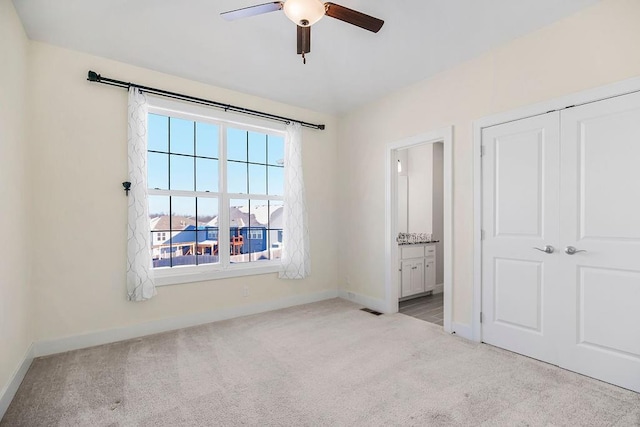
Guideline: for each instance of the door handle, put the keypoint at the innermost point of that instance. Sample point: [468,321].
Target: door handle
[548,249]
[570,250]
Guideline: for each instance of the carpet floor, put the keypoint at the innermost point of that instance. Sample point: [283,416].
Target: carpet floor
[326,363]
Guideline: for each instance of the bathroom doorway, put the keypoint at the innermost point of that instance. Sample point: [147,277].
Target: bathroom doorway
[419,227]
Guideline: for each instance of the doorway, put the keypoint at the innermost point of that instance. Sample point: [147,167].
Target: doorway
[420,259]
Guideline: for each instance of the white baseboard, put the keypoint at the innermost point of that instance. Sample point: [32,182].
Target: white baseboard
[61,345]
[10,389]
[438,289]
[462,330]
[367,301]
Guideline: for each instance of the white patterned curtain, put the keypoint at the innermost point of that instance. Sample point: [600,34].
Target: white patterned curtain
[296,262]
[140,285]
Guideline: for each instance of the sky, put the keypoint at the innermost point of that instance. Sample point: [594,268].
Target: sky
[200,173]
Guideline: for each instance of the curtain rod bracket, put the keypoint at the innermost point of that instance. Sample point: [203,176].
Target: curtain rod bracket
[127,187]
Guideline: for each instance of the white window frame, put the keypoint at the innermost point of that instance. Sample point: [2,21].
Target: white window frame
[165,276]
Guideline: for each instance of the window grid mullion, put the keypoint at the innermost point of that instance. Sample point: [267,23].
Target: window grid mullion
[169,187]
[195,187]
[247,165]
[223,208]
[266,169]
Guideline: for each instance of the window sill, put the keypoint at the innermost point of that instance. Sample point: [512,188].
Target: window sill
[180,275]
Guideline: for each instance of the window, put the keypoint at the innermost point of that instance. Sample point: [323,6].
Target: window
[255,234]
[215,195]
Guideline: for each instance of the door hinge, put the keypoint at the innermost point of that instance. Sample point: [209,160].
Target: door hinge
[481,317]
[481,150]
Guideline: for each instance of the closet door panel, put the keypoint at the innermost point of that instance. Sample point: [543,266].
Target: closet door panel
[600,218]
[520,173]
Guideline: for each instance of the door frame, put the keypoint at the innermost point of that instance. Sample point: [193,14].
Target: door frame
[445,136]
[623,87]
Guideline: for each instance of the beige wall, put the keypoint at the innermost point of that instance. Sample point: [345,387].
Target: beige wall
[15,297]
[594,47]
[78,162]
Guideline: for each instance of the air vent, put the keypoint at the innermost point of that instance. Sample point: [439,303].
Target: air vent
[368,310]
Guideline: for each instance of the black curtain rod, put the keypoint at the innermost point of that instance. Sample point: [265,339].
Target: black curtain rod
[95,77]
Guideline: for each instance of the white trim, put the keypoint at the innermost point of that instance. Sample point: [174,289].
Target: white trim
[444,135]
[189,111]
[376,304]
[75,342]
[476,305]
[166,276]
[10,389]
[584,97]
[438,289]
[462,330]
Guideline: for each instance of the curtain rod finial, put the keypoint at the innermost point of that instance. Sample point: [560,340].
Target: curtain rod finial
[93,76]
[321,127]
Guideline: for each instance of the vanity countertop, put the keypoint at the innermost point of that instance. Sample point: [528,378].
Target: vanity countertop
[419,243]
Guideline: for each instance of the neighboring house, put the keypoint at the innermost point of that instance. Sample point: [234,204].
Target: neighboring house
[251,232]
[164,229]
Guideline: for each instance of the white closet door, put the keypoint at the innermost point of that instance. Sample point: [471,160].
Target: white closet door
[600,214]
[520,173]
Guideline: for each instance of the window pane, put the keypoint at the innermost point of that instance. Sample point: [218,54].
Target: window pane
[276,150]
[276,181]
[206,175]
[207,250]
[182,173]
[183,230]
[276,208]
[158,208]
[160,230]
[257,147]
[257,179]
[256,237]
[237,177]
[237,144]
[207,138]
[158,171]
[158,133]
[181,136]
[208,211]
[249,230]
[238,225]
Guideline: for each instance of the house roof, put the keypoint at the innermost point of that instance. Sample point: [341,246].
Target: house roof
[178,222]
[239,217]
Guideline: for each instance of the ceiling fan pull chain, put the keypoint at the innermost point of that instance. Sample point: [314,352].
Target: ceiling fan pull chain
[304,60]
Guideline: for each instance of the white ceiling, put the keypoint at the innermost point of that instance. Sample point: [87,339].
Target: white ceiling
[347,66]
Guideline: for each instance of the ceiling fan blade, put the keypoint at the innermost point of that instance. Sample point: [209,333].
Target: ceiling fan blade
[304,40]
[246,12]
[353,17]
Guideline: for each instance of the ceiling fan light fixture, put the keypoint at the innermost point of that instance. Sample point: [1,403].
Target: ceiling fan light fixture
[304,13]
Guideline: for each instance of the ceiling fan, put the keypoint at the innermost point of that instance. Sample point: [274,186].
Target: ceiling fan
[305,13]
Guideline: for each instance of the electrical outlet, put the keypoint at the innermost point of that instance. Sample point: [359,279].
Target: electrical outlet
[245,291]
